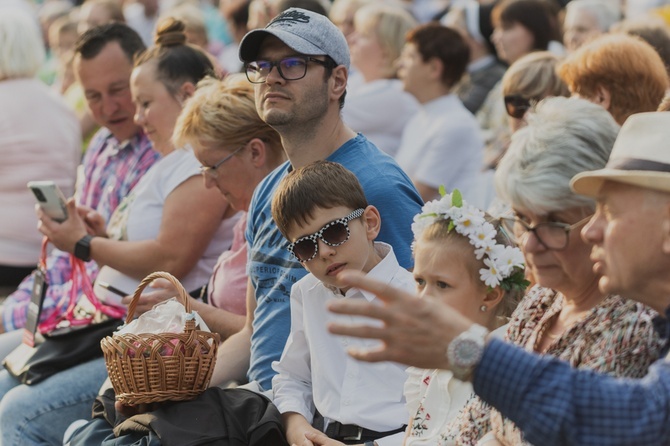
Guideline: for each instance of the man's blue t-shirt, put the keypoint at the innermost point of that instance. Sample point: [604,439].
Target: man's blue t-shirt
[273,270]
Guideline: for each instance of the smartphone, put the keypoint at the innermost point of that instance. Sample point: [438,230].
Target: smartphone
[35,307]
[112,289]
[50,199]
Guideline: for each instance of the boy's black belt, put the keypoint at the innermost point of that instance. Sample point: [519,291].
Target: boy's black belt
[351,432]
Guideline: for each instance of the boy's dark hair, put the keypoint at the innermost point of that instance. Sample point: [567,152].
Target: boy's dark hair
[433,40]
[321,184]
[90,43]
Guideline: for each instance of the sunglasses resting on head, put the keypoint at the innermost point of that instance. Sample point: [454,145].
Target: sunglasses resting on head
[517,105]
[335,233]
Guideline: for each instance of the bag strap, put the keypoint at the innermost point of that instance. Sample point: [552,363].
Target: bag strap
[87,287]
[78,275]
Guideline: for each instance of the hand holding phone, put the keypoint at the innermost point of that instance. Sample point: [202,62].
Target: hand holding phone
[50,198]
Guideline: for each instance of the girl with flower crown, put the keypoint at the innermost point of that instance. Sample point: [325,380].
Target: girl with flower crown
[467,262]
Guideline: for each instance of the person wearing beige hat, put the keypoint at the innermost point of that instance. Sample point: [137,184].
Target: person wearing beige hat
[550,402]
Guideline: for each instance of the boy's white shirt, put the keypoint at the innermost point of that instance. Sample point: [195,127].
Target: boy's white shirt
[315,370]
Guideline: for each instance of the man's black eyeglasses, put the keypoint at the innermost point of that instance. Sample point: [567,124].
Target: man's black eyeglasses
[289,68]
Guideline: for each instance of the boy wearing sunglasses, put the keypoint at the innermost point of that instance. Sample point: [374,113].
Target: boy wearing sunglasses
[322,211]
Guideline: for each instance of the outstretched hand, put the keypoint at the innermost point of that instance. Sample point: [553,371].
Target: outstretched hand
[414,332]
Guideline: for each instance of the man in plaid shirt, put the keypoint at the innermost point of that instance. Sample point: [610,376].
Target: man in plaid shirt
[117,157]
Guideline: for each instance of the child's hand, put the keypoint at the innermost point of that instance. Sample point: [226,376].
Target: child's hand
[320,439]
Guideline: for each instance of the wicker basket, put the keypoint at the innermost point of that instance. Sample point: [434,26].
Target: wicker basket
[138,371]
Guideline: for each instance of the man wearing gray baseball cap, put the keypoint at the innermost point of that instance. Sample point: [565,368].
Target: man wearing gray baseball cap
[303,31]
[299,66]
[549,401]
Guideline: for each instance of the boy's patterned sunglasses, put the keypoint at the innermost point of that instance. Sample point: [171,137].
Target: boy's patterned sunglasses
[334,233]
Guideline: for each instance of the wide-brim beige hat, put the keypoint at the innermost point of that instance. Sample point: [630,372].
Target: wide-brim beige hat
[640,156]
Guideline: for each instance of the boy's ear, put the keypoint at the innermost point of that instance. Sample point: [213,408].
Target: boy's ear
[436,68]
[372,221]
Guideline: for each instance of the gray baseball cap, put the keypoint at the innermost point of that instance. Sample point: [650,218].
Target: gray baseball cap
[304,31]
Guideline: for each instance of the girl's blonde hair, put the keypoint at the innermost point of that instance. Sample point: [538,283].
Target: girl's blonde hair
[440,231]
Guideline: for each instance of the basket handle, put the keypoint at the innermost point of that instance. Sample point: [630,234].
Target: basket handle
[181,292]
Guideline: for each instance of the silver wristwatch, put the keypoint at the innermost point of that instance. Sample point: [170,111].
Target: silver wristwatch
[465,351]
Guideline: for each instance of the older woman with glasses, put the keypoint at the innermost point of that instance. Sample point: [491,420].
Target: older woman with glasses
[564,314]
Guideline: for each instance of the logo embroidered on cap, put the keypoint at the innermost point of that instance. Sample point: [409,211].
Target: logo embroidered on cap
[288,18]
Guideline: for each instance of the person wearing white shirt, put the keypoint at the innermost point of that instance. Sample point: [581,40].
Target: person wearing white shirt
[442,144]
[331,228]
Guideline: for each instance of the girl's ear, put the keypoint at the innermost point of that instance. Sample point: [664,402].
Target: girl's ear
[185,91]
[493,298]
[372,221]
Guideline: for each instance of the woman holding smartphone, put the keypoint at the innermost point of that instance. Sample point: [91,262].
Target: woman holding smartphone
[170,222]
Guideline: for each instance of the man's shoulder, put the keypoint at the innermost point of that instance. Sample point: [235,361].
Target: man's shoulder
[267,185]
[263,193]
[364,158]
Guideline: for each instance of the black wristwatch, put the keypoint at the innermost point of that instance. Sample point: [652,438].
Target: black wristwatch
[82,249]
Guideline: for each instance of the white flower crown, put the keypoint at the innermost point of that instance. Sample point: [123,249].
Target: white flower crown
[504,264]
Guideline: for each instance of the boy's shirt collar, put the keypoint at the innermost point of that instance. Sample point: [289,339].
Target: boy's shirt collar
[384,272]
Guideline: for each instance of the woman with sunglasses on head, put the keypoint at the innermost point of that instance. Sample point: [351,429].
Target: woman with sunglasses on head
[564,314]
[520,27]
[529,80]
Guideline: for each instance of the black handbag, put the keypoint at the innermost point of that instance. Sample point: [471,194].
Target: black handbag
[59,351]
[41,355]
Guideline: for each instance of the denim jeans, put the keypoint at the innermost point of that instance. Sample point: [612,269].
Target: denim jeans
[40,414]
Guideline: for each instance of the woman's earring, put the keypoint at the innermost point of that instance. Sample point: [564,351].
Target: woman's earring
[483,308]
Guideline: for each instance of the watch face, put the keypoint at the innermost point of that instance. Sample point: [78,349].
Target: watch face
[467,353]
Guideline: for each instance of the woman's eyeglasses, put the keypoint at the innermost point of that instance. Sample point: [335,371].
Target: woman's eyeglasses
[335,233]
[212,171]
[517,105]
[551,235]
